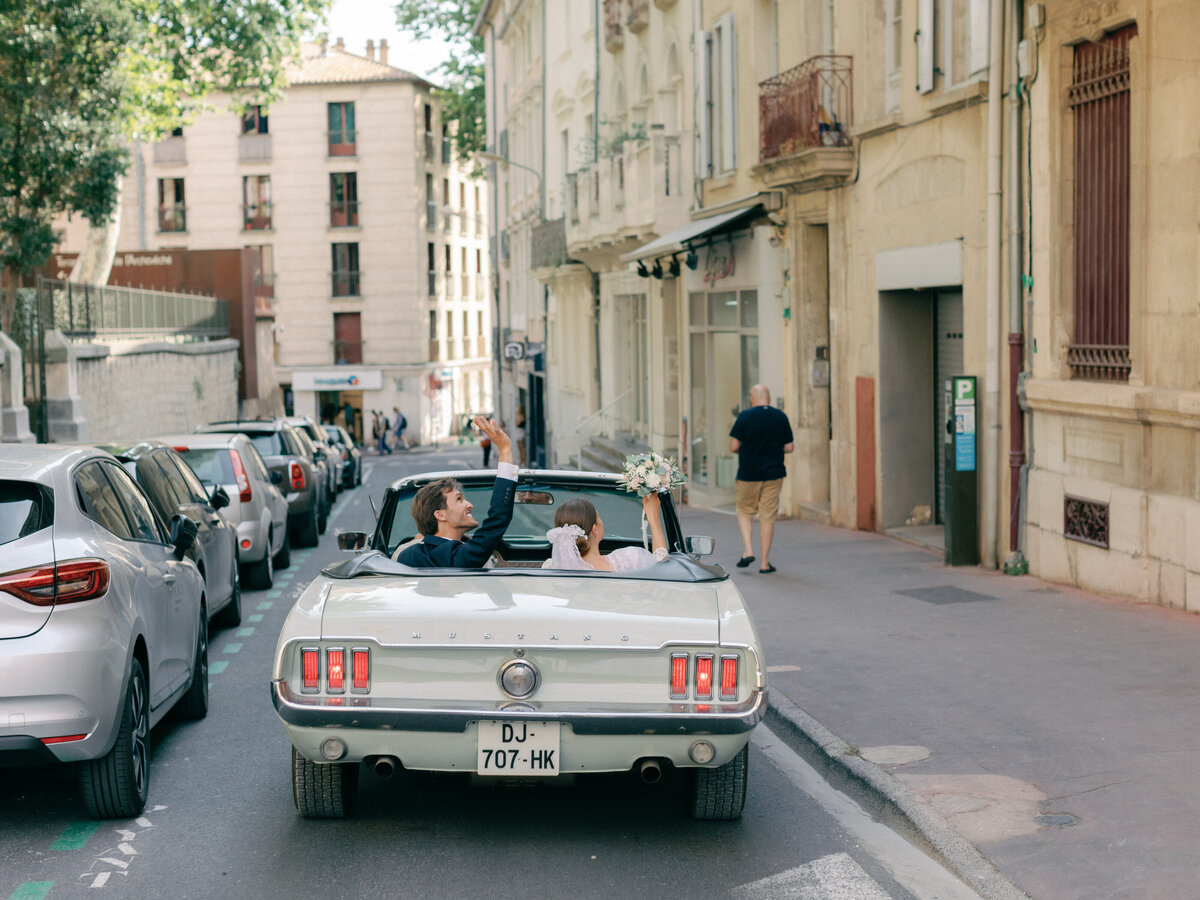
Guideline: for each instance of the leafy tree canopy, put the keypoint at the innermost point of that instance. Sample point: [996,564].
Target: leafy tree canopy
[463,98]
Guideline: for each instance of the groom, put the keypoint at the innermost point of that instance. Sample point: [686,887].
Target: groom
[443,514]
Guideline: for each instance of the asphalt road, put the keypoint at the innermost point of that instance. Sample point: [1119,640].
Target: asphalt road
[220,820]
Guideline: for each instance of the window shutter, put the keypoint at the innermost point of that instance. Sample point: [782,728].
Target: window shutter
[979,32]
[925,46]
[728,94]
[704,102]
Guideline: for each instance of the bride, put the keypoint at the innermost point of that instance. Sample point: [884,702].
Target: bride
[575,539]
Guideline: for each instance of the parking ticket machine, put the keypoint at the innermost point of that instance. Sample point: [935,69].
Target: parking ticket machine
[962,482]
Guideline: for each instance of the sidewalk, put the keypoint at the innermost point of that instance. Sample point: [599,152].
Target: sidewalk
[1056,731]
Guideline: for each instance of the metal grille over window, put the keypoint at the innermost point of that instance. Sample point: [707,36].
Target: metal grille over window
[1086,521]
[1099,98]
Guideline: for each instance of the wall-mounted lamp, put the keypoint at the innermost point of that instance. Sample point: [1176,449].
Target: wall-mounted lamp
[642,271]
[673,269]
[657,271]
[692,258]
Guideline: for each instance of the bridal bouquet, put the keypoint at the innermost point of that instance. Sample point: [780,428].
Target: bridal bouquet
[646,473]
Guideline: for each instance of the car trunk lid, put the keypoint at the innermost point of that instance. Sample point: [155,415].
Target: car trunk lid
[483,610]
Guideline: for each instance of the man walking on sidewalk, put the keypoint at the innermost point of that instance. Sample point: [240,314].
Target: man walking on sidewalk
[760,437]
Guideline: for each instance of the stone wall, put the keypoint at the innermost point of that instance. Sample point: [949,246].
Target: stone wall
[147,389]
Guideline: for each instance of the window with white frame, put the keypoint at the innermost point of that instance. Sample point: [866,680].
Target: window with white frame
[893,54]
[963,54]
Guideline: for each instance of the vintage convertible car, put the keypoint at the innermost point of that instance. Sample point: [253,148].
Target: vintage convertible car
[516,670]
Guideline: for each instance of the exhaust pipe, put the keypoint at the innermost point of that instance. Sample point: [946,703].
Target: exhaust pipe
[385,766]
[651,771]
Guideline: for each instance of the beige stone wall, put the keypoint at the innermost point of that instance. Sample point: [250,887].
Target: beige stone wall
[193,384]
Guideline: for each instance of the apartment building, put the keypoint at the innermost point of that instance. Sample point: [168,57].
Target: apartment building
[369,238]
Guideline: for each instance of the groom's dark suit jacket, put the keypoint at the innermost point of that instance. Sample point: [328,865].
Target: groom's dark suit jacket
[434,551]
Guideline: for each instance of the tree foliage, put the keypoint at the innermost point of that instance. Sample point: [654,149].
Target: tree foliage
[61,90]
[463,96]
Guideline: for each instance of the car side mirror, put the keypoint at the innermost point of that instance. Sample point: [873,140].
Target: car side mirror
[352,540]
[183,534]
[276,478]
[220,498]
[697,545]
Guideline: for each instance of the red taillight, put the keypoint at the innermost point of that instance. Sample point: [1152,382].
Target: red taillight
[311,662]
[679,670]
[335,671]
[729,677]
[704,677]
[362,669]
[297,476]
[66,582]
[63,739]
[239,474]
[181,449]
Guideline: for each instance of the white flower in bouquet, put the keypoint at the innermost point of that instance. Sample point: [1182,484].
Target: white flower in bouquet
[646,473]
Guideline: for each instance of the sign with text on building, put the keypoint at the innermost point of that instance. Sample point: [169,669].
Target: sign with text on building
[339,379]
[514,350]
[964,424]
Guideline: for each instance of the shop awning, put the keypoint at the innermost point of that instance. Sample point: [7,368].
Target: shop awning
[678,240]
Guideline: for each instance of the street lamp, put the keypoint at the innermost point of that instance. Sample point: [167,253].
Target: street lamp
[504,163]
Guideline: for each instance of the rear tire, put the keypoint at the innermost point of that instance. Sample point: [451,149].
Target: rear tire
[322,518]
[116,785]
[261,575]
[720,793]
[194,704]
[230,615]
[309,535]
[323,790]
[283,558]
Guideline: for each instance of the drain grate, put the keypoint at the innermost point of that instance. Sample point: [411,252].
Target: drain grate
[943,594]
[1057,820]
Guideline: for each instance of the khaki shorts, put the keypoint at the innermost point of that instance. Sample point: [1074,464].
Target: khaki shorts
[760,497]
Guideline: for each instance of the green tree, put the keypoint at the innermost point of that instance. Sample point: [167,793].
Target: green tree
[61,89]
[463,98]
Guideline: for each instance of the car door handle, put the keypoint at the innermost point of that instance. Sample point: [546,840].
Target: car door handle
[169,579]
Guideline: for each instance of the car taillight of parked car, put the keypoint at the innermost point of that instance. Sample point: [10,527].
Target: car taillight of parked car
[240,476]
[65,582]
[297,476]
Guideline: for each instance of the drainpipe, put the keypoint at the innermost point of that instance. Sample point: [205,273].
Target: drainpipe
[1016,335]
[995,191]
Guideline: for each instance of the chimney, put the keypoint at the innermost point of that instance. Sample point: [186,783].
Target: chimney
[340,46]
[370,50]
[324,45]
[383,51]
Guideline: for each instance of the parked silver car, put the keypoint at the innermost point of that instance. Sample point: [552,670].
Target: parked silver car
[340,440]
[321,442]
[103,626]
[256,505]
[173,488]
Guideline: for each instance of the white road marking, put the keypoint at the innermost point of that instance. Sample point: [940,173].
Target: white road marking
[127,849]
[125,835]
[913,870]
[113,861]
[145,823]
[833,877]
[100,880]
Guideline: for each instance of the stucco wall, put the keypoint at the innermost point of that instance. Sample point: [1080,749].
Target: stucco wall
[149,389]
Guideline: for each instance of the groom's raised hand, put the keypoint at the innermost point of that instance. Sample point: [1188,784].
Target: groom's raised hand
[501,441]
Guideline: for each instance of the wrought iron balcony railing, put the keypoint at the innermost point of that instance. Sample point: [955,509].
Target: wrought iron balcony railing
[806,107]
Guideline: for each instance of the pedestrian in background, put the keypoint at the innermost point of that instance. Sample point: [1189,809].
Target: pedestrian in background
[384,427]
[400,424]
[486,443]
[760,437]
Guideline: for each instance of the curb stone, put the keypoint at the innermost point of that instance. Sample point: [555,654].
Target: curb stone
[886,799]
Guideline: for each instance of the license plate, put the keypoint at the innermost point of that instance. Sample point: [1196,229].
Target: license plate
[518,748]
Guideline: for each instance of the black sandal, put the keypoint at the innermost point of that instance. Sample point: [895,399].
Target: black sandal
[744,561]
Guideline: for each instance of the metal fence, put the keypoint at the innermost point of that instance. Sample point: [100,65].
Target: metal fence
[82,311]
[808,106]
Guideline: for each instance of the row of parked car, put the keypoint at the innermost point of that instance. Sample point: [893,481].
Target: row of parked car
[115,559]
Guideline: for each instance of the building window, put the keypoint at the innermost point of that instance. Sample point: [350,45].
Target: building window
[430,203]
[254,121]
[172,212]
[1099,100]
[429,132]
[445,145]
[893,55]
[431,254]
[718,126]
[343,136]
[345,270]
[263,268]
[343,199]
[256,202]
[447,249]
[347,339]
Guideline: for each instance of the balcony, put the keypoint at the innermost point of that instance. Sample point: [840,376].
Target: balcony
[171,152]
[343,214]
[614,38]
[254,148]
[804,125]
[479,230]
[433,280]
[445,150]
[639,16]
[431,215]
[429,137]
[343,143]
[346,283]
[172,218]
[256,216]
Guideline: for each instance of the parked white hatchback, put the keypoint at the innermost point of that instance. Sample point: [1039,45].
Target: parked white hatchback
[103,627]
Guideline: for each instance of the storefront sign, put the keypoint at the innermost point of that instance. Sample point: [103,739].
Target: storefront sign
[339,379]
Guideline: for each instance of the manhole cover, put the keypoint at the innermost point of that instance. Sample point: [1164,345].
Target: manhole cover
[1057,820]
[944,594]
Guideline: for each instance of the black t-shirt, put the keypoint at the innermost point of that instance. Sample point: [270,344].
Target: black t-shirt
[763,431]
